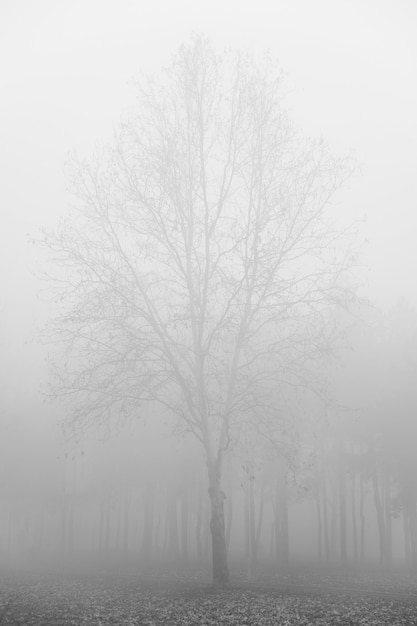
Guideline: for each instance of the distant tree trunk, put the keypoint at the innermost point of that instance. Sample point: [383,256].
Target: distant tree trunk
[335,518]
[325,515]
[41,529]
[406,530]
[260,521]
[318,495]
[166,532]
[388,519]
[281,520]
[184,527]
[413,532]
[245,515]
[319,525]
[354,516]
[148,506]
[272,535]
[148,524]
[252,521]
[342,505]
[117,515]
[249,517]
[126,522]
[172,528]
[67,524]
[157,527]
[323,539]
[104,528]
[285,545]
[64,530]
[229,517]
[198,527]
[9,532]
[379,516]
[107,524]
[206,530]
[362,519]
[323,545]
[217,527]
[101,526]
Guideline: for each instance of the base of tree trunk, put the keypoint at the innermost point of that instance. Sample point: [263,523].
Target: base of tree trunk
[218,539]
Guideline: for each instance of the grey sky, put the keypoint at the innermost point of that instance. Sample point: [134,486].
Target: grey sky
[66,70]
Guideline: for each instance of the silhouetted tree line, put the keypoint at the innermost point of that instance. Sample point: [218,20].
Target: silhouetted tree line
[342,480]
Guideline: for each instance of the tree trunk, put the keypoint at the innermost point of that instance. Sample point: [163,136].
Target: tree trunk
[319,525]
[218,530]
[388,520]
[198,525]
[322,512]
[379,516]
[335,519]
[157,527]
[107,524]
[147,524]
[172,527]
[354,522]
[126,522]
[413,533]
[362,520]
[342,507]
[406,530]
[260,521]
[249,513]
[101,527]
[184,527]
[9,532]
[325,516]
[206,532]
[229,518]
[281,520]
[41,529]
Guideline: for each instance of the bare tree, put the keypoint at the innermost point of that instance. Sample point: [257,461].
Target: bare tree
[198,258]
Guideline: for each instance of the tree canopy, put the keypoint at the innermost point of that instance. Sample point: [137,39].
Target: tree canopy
[200,258]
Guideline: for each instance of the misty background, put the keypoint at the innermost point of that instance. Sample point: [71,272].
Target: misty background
[67,76]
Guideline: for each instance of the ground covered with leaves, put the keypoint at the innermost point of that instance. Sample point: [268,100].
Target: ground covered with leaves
[302,600]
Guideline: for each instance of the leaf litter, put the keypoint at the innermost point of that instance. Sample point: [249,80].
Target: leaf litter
[61,601]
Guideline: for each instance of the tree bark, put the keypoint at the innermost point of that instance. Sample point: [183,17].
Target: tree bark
[184,527]
[126,522]
[281,521]
[388,519]
[354,522]
[260,521]
[218,530]
[172,528]
[342,506]
[334,518]
[249,516]
[319,525]
[413,532]
[198,526]
[379,516]
[362,519]
[229,518]
[325,516]
[147,525]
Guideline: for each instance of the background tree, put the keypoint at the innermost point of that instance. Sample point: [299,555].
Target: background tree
[200,260]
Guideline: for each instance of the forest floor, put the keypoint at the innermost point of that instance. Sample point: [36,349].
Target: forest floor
[313,598]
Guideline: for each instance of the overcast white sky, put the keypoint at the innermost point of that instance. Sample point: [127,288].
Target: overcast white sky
[65,73]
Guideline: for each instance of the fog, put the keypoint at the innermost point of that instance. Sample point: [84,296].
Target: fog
[323,474]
